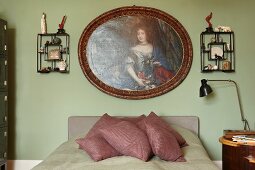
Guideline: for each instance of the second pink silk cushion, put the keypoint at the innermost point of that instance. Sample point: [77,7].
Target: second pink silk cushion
[155,120]
[128,139]
[163,143]
[94,143]
[97,147]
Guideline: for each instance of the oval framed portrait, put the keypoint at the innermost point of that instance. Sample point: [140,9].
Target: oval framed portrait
[135,52]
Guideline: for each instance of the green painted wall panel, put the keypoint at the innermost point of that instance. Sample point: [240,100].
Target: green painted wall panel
[41,103]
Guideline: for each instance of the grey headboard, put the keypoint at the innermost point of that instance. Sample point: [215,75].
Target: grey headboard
[82,124]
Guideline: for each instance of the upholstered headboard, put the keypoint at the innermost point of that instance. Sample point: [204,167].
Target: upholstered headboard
[82,124]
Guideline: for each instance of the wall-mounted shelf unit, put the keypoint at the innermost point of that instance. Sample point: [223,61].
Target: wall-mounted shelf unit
[53,53]
[217,51]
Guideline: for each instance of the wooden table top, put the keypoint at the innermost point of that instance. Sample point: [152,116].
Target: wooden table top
[229,142]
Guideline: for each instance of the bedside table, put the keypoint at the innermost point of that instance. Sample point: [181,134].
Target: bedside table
[237,156]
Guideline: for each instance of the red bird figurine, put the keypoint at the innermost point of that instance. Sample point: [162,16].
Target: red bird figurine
[208,18]
[61,26]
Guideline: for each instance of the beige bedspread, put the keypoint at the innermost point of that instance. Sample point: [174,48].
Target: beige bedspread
[68,157]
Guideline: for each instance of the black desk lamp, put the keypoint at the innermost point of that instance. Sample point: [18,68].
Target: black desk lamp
[205,90]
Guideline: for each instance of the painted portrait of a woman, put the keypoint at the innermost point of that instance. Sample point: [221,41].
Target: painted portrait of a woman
[146,64]
[135,53]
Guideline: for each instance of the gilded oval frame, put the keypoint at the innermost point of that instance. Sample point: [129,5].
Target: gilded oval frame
[108,18]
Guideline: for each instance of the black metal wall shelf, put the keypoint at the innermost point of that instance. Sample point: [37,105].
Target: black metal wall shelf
[217,51]
[53,54]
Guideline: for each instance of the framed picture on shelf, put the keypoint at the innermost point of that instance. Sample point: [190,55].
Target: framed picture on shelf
[135,52]
[217,52]
[54,54]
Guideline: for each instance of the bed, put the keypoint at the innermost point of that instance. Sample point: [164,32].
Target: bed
[69,156]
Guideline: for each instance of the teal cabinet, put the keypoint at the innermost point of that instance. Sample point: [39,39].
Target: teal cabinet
[3,95]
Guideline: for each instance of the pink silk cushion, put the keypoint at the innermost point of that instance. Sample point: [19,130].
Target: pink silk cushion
[107,120]
[103,122]
[128,139]
[155,120]
[95,145]
[97,148]
[163,143]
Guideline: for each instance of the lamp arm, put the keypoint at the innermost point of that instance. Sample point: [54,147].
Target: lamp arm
[246,123]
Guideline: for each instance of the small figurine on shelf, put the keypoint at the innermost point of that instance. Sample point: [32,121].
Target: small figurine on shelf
[62,65]
[45,70]
[43,24]
[61,26]
[227,46]
[208,67]
[221,28]
[215,67]
[56,41]
[208,20]
[41,49]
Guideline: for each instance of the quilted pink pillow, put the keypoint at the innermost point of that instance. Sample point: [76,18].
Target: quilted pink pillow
[128,139]
[103,122]
[107,120]
[163,143]
[95,145]
[156,121]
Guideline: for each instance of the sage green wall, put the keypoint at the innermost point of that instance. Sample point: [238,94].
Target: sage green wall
[41,103]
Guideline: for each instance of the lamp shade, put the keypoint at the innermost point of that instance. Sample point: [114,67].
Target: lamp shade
[205,89]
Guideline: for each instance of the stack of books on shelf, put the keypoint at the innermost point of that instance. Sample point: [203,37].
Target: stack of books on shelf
[244,139]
